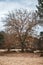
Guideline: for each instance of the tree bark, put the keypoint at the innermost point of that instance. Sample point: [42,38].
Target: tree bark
[22,47]
[8,49]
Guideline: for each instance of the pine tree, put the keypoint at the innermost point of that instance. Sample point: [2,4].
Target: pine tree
[40,10]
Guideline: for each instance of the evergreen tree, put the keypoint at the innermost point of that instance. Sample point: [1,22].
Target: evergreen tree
[1,39]
[40,9]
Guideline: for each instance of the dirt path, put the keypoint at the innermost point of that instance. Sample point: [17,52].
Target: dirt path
[21,59]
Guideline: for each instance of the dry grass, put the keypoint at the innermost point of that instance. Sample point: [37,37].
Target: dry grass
[20,59]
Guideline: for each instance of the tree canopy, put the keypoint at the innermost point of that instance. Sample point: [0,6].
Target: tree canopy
[40,8]
[20,22]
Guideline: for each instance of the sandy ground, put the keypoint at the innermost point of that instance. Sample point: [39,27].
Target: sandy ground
[20,59]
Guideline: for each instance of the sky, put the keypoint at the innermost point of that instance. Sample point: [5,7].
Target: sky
[9,5]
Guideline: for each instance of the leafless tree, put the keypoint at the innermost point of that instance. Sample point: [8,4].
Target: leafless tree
[20,22]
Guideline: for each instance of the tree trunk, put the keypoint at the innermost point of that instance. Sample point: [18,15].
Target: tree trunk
[22,50]
[8,49]
[22,47]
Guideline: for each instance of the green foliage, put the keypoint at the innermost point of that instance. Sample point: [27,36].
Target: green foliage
[41,33]
[40,8]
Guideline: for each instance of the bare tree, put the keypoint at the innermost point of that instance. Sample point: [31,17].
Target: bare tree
[21,23]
